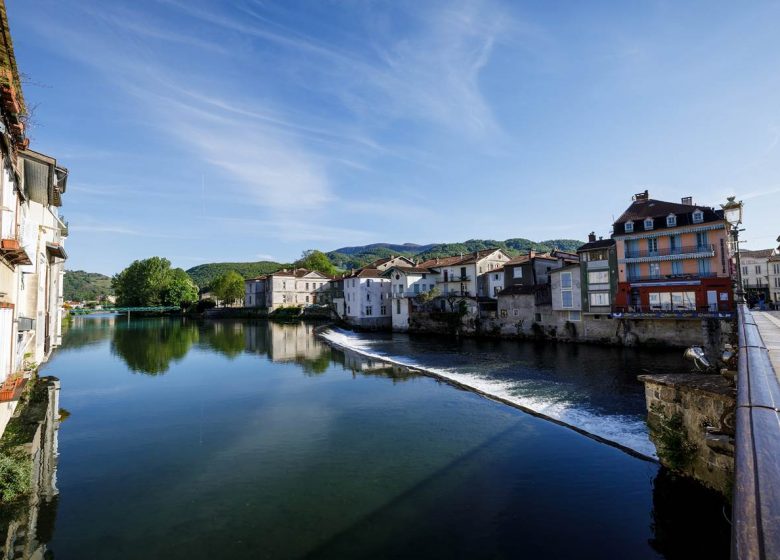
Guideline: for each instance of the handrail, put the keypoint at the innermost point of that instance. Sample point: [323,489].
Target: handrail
[756,505]
[668,251]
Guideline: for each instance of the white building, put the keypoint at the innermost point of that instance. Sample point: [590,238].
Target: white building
[565,289]
[468,275]
[774,276]
[32,236]
[407,285]
[755,272]
[367,295]
[287,288]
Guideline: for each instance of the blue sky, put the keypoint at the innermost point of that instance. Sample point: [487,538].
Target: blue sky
[243,130]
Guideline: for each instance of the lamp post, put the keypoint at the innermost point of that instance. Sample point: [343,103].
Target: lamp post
[732,212]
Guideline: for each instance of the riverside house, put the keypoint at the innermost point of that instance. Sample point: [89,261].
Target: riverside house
[297,287]
[599,276]
[467,275]
[367,294]
[672,259]
[407,285]
[32,238]
[755,273]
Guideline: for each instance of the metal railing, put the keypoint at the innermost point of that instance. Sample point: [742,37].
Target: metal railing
[667,251]
[649,277]
[453,279]
[755,530]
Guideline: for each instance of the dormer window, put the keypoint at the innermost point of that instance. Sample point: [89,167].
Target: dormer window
[649,223]
[671,220]
[698,217]
[629,227]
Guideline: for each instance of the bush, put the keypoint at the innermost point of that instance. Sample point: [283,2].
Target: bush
[15,475]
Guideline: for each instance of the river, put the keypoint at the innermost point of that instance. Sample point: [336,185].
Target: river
[231,439]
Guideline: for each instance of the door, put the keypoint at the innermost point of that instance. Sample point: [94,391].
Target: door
[712,300]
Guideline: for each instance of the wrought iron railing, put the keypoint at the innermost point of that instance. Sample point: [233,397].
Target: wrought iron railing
[667,251]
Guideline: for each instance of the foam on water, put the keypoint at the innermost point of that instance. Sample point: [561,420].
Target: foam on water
[625,431]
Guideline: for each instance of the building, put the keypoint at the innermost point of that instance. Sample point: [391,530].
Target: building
[32,237]
[598,275]
[566,294]
[672,259]
[409,286]
[367,294]
[467,275]
[773,264]
[755,273]
[533,269]
[297,287]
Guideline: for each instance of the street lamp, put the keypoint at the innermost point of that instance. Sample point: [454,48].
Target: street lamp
[732,212]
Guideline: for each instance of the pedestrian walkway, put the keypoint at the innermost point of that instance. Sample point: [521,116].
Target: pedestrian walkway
[768,323]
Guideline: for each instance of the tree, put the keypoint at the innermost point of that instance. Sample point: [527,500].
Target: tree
[316,260]
[151,282]
[229,287]
[142,283]
[181,290]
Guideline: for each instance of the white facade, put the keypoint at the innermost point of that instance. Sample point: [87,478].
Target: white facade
[287,288]
[407,283]
[755,269]
[367,294]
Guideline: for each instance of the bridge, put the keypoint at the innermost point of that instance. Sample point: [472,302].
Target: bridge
[128,310]
[756,499]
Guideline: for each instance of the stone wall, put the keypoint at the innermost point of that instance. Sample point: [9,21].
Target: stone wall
[691,419]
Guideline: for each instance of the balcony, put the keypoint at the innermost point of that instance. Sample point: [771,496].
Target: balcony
[670,277]
[453,279]
[13,252]
[689,251]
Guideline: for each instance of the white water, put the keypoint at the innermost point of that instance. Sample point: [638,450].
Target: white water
[625,431]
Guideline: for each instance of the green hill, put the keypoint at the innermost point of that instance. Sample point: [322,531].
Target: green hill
[204,274]
[79,285]
[355,257]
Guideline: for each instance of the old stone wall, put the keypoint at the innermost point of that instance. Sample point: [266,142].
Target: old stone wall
[691,420]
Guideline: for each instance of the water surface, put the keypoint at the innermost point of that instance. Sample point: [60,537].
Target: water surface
[256,440]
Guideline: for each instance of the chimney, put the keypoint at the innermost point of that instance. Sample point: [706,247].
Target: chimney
[687,200]
[592,236]
[601,237]
[642,196]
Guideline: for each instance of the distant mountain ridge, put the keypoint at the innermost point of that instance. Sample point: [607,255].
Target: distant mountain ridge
[355,257]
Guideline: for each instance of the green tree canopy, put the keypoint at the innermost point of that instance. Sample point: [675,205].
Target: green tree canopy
[229,287]
[151,282]
[181,290]
[316,260]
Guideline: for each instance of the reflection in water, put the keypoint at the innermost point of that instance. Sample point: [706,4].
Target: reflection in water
[27,527]
[315,443]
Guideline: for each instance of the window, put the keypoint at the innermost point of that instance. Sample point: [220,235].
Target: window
[599,299]
[416,289]
[629,227]
[677,269]
[517,272]
[776,268]
[284,285]
[495,277]
[307,285]
[704,266]
[383,310]
[652,246]
[758,269]
[574,315]
[702,241]
[598,277]
[671,220]
[398,306]
[698,217]
[565,280]
[368,297]
[496,289]
[777,282]
[655,270]
[307,299]
[348,309]
[368,283]
[425,275]
[649,223]
[369,310]
[538,317]
[745,270]
[516,312]
[566,299]
[503,313]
